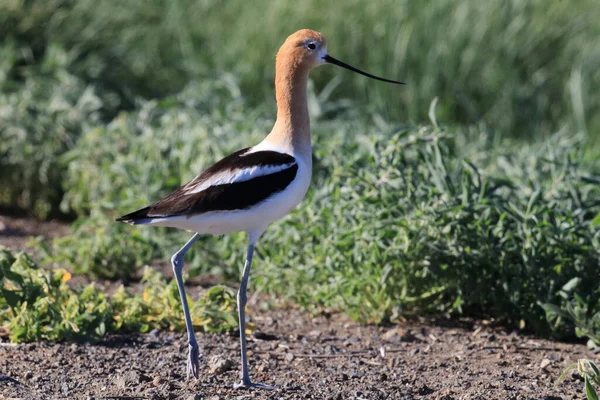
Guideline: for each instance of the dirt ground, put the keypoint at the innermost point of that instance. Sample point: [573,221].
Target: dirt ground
[16,232]
[322,357]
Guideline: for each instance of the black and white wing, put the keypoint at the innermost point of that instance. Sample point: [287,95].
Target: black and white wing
[237,182]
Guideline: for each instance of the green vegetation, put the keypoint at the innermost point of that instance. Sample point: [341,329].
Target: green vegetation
[39,304]
[525,68]
[518,65]
[411,221]
[495,213]
[591,377]
[42,115]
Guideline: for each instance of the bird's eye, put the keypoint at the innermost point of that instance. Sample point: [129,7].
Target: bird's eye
[312,46]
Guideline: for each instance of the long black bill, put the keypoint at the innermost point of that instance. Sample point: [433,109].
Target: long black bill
[332,60]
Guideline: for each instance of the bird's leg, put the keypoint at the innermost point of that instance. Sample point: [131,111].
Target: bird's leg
[242,297]
[193,352]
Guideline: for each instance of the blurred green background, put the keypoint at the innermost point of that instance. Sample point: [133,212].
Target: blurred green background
[105,106]
[525,68]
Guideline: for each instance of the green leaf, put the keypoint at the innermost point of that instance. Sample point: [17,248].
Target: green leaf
[589,390]
[564,374]
[572,284]
[12,298]
[594,368]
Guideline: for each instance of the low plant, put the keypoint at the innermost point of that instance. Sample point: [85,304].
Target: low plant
[591,377]
[159,306]
[36,304]
[581,313]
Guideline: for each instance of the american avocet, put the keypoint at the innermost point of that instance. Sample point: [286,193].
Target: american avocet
[253,187]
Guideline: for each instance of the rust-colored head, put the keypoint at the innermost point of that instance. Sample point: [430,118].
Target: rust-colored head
[303,50]
[306,49]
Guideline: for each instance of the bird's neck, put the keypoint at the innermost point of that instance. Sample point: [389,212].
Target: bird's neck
[292,128]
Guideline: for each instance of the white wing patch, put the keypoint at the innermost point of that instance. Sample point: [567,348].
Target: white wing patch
[237,175]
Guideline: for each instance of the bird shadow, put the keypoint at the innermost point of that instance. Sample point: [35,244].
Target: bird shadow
[150,340]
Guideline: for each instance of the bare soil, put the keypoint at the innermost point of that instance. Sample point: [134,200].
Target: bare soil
[16,232]
[305,357]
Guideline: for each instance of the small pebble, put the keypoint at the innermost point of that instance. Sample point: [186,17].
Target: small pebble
[158,380]
[120,382]
[545,363]
[218,365]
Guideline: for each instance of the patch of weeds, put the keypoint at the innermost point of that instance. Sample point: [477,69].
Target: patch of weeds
[581,313]
[408,225]
[37,304]
[218,311]
[159,306]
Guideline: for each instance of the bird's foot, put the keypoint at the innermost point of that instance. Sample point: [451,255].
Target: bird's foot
[247,384]
[193,363]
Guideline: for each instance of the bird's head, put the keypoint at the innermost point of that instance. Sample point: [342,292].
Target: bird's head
[306,49]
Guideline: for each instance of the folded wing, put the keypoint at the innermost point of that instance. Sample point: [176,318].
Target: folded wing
[237,182]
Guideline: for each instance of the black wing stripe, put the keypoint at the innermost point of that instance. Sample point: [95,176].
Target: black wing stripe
[241,160]
[225,197]
[243,195]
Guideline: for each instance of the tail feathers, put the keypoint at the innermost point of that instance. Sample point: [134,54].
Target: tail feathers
[138,217]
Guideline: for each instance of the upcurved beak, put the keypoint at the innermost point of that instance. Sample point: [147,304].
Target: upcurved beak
[332,60]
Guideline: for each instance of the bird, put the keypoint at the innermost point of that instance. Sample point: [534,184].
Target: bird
[253,187]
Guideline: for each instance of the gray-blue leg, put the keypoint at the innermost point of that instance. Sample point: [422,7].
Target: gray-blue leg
[193,352]
[242,297]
